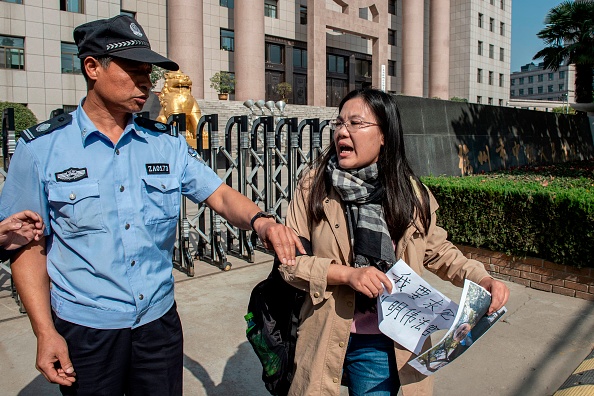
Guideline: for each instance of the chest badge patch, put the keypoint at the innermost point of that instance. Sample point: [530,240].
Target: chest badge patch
[157,169]
[71,175]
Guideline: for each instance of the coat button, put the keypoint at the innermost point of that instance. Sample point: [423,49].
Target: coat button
[341,344]
[72,196]
[336,226]
[117,152]
[141,297]
[121,188]
[327,200]
[349,304]
[316,295]
[127,226]
[335,380]
[133,263]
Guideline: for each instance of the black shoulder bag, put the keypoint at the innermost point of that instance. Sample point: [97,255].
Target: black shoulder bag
[272,321]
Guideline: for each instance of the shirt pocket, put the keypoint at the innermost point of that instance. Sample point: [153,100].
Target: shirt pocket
[161,197]
[76,207]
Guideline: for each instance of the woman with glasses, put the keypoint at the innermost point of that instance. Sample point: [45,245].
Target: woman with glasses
[363,208]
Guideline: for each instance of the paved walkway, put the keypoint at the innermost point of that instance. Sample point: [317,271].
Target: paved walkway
[531,351]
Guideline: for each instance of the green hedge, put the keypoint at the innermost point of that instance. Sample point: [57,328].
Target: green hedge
[23,116]
[521,218]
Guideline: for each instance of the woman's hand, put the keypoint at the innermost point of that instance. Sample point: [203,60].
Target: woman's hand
[499,293]
[367,280]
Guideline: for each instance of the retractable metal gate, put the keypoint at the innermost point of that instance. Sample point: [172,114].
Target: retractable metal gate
[260,158]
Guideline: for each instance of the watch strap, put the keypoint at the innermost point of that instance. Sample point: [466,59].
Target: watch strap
[258,215]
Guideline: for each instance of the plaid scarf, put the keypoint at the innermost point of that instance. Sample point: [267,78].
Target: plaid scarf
[362,192]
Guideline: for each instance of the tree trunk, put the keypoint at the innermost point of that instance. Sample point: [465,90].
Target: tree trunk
[583,83]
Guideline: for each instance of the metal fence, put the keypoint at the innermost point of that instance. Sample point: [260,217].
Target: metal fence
[262,158]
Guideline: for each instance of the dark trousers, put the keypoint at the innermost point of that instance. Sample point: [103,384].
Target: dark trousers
[147,360]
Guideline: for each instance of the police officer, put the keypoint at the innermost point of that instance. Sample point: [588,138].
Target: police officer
[109,185]
[18,230]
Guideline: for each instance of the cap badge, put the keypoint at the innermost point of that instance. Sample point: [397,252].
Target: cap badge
[135,30]
[43,127]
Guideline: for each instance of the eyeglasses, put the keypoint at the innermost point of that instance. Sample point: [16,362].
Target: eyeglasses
[335,125]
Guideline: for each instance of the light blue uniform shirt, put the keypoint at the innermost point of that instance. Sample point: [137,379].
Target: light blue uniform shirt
[111,215]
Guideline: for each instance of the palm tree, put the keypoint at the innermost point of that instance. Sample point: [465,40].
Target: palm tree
[569,36]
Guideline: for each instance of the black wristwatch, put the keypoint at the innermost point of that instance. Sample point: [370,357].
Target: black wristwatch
[260,214]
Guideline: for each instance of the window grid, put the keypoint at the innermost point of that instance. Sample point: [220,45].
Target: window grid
[227,40]
[271,8]
[69,57]
[12,53]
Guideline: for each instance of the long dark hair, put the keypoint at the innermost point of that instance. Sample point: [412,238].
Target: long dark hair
[401,201]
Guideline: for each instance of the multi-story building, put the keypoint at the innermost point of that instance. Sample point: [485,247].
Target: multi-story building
[534,82]
[323,48]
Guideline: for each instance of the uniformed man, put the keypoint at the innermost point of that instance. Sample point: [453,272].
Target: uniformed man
[108,185]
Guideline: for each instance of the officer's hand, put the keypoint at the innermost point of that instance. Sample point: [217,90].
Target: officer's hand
[53,360]
[280,238]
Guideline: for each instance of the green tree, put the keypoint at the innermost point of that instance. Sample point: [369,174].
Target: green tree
[23,116]
[284,89]
[569,38]
[457,99]
[156,74]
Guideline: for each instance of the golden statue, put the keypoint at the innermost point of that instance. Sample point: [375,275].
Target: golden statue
[176,98]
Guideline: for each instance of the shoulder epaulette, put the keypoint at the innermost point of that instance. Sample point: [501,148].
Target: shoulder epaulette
[155,126]
[45,127]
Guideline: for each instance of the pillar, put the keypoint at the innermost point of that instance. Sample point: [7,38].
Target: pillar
[249,50]
[439,49]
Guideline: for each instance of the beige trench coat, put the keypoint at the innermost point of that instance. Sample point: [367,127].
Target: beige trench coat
[326,316]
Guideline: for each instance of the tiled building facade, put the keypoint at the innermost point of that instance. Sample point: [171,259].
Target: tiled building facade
[323,48]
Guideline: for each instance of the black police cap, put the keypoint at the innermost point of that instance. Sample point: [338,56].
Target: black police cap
[118,37]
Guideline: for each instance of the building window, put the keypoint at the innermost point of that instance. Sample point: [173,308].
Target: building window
[72,6]
[491,51]
[362,68]
[503,4]
[502,28]
[513,82]
[392,68]
[227,40]
[479,99]
[480,47]
[391,37]
[500,79]
[491,24]
[551,76]
[300,58]
[550,88]
[227,3]
[530,91]
[131,14]
[479,75]
[561,87]
[490,78]
[490,101]
[12,52]
[274,54]
[337,64]
[271,8]
[501,54]
[530,79]
[392,7]
[561,75]
[492,2]
[540,89]
[500,102]
[303,15]
[480,20]
[521,80]
[13,1]
[513,92]
[70,61]
[521,91]
[540,78]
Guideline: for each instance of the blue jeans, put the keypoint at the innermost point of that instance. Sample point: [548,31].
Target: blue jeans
[370,366]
